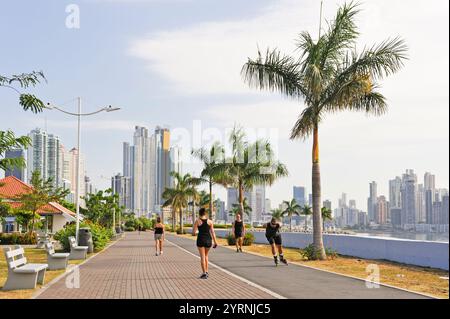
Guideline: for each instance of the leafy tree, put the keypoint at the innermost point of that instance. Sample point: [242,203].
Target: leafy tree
[101,206]
[292,208]
[42,192]
[178,196]
[5,210]
[26,218]
[8,140]
[328,76]
[68,205]
[326,215]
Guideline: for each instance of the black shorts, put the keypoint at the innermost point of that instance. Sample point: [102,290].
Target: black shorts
[274,240]
[204,242]
[238,234]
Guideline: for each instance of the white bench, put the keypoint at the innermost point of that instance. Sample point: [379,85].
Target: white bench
[77,252]
[56,260]
[22,275]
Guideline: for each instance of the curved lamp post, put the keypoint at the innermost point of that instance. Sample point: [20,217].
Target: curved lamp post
[79,115]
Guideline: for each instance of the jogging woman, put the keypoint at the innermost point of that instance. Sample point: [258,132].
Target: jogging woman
[159,236]
[205,238]
[274,238]
[238,231]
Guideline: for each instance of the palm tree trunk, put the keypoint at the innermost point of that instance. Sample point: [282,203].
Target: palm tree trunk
[241,199]
[174,219]
[181,220]
[211,208]
[193,212]
[306,223]
[316,192]
[290,223]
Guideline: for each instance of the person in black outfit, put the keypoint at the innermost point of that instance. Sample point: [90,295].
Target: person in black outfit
[205,239]
[274,238]
[159,236]
[238,232]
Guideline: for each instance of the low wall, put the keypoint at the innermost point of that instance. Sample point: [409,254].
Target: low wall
[414,252]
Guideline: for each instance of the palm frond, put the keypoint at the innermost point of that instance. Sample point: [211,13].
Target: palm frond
[304,126]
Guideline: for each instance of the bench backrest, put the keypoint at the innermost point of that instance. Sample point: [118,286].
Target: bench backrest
[73,242]
[49,248]
[15,257]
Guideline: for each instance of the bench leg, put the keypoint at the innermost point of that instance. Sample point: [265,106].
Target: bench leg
[57,263]
[41,277]
[20,281]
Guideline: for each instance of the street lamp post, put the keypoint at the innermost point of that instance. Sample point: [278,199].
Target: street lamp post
[79,115]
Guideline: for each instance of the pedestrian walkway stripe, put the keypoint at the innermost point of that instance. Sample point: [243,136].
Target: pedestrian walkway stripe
[270,292]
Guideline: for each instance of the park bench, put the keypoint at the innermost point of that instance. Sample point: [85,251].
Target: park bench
[22,275]
[56,260]
[77,252]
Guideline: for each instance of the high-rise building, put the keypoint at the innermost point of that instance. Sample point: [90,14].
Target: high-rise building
[54,160]
[445,210]
[420,204]
[395,186]
[372,200]
[17,172]
[381,212]
[310,200]
[352,203]
[268,206]
[409,200]
[299,194]
[343,200]
[141,172]
[121,185]
[176,162]
[37,153]
[429,206]
[327,204]
[429,181]
[162,163]
[259,192]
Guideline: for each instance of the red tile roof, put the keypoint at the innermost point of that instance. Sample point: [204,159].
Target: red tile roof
[11,187]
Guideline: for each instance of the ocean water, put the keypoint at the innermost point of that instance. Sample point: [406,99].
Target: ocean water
[444,237]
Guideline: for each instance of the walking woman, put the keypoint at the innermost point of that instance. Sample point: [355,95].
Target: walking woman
[273,236]
[205,239]
[238,232]
[159,236]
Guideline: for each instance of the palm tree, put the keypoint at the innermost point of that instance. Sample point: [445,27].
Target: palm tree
[277,213]
[250,164]
[292,208]
[306,211]
[329,76]
[212,172]
[236,209]
[178,196]
[326,215]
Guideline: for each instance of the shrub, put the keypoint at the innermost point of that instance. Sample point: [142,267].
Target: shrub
[18,239]
[179,232]
[249,238]
[100,235]
[129,228]
[310,253]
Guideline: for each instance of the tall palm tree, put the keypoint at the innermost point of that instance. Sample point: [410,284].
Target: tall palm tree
[329,76]
[326,215]
[292,208]
[277,213]
[212,172]
[306,211]
[250,164]
[178,196]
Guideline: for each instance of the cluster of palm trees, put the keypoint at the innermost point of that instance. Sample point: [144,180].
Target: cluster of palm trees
[248,164]
[328,76]
[292,208]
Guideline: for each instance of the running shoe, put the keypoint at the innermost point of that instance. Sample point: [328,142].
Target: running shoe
[240,249]
[204,276]
[161,252]
[275,259]
[156,254]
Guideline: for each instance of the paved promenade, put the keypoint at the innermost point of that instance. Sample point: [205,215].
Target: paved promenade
[129,269]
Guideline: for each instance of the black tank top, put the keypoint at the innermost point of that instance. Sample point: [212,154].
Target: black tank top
[238,226]
[159,230]
[272,231]
[204,228]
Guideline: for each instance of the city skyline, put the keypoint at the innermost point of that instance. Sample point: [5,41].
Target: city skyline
[355,148]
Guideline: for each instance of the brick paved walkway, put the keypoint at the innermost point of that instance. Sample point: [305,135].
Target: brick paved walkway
[130,269]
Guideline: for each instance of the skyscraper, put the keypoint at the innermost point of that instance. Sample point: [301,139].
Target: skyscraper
[37,153]
[17,172]
[409,201]
[327,204]
[395,186]
[162,149]
[54,160]
[429,188]
[176,162]
[372,200]
[381,210]
[141,172]
[121,185]
[299,194]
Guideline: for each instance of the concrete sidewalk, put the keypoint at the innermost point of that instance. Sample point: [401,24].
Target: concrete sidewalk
[129,269]
[293,281]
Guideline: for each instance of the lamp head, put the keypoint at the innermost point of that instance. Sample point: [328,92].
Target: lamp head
[111,109]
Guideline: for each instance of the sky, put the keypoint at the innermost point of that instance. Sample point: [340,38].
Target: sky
[177,63]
